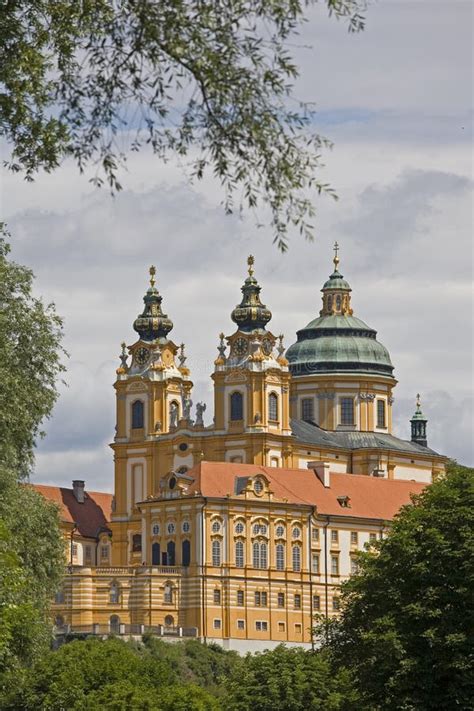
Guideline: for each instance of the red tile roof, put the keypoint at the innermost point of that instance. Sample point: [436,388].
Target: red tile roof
[369,497]
[90,516]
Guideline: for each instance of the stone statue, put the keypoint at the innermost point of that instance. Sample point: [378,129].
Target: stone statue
[174,411]
[187,404]
[200,409]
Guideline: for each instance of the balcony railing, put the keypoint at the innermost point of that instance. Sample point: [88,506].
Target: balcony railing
[125,630]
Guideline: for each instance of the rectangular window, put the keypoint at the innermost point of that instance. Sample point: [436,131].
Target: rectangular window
[334,536]
[240,624]
[315,563]
[298,628]
[240,598]
[104,552]
[281,627]
[354,538]
[217,624]
[261,626]
[336,604]
[263,599]
[307,409]
[239,554]
[347,411]
[59,597]
[334,565]
[315,534]
[280,556]
[281,599]
[381,413]
[316,602]
[217,596]
[354,566]
[297,602]
[257,599]
[372,537]
[74,550]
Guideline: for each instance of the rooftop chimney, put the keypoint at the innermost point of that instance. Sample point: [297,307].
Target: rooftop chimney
[78,490]
[321,469]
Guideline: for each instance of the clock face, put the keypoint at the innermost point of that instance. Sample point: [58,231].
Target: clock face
[267,346]
[142,355]
[240,346]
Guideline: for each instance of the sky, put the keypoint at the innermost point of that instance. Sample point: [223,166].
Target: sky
[397,102]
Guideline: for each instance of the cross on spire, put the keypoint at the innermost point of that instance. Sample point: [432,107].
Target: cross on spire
[336,257]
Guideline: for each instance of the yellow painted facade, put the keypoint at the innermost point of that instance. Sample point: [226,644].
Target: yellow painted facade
[157,565]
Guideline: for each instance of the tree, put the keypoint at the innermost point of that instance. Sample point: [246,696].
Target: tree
[406,628]
[31,545]
[210,80]
[288,680]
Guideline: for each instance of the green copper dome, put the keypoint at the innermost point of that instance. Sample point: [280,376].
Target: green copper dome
[337,341]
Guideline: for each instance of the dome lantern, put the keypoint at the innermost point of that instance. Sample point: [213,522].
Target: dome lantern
[152,323]
[418,425]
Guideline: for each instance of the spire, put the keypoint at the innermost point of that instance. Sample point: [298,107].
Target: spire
[336,258]
[152,323]
[418,425]
[251,314]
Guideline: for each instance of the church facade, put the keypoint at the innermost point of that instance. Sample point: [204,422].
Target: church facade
[241,531]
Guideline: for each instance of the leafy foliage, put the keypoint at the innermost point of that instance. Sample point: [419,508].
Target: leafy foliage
[31,545]
[30,362]
[92,78]
[407,621]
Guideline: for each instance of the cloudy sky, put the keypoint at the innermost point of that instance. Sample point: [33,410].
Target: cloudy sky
[397,102]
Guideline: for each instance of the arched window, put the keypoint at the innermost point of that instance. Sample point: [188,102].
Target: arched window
[171,553]
[155,554]
[216,553]
[137,414]
[329,302]
[236,406]
[338,302]
[114,593]
[296,555]
[263,555]
[256,555]
[185,553]
[273,406]
[114,624]
[239,554]
[280,556]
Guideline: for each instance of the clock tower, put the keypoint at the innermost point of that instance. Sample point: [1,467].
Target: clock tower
[251,383]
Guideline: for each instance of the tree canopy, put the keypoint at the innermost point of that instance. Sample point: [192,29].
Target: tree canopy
[211,82]
[406,628]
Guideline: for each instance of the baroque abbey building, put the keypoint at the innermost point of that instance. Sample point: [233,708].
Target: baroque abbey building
[241,531]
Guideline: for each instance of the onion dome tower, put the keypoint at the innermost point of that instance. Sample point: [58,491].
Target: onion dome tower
[339,354]
[152,323]
[418,425]
[251,314]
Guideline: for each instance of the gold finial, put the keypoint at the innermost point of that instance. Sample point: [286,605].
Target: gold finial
[152,276]
[250,262]
[336,258]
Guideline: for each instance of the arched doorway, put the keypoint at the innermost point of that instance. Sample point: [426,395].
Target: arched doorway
[114,624]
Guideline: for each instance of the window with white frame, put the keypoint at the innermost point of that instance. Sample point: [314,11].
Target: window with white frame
[315,534]
[216,527]
[261,625]
[372,537]
[354,566]
[334,536]
[216,553]
[307,409]
[354,538]
[334,565]
[239,528]
[104,552]
[263,555]
[279,531]
[316,602]
[347,410]
[239,554]
[217,596]
[259,555]
[186,527]
[217,624]
[155,529]
[315,563]
[297,601]
[273,407]
[240,624]
[281,599]
[296,558]
[336,604]
[296,532]
[240,598]
[298,628]
[280,556]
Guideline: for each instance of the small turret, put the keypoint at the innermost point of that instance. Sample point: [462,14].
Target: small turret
[251,314]
[418,425]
